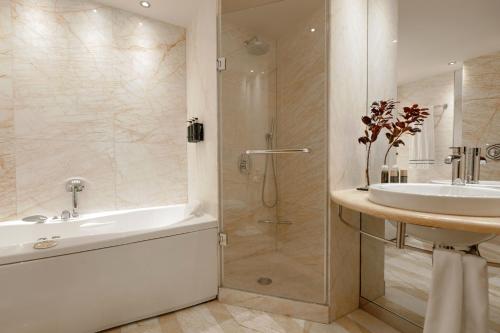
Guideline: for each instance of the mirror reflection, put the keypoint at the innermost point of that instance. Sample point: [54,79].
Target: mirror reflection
[448,61]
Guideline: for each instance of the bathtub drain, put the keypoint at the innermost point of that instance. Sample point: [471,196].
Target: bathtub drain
[264,281]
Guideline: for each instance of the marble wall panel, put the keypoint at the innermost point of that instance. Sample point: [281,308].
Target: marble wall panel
[302,122]
[145,170]
[481,107]
[43,166]
[203,165]
[89,91]
[347,104]
[382,68]
[8,202]
[62,71]
[151,71]
[7,150]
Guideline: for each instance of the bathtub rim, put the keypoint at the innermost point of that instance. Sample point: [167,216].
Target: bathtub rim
[68,246]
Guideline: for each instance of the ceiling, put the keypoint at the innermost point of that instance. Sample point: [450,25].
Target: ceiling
[178,12]
[433,33]
[271,18]
[229,6]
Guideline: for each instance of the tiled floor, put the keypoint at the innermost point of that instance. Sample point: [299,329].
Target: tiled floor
[215,317]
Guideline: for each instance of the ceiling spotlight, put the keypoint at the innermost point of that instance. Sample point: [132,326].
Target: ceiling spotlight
[145,4]
[95,10]
[313,29]
[394,41]
[451,63]
[251,71]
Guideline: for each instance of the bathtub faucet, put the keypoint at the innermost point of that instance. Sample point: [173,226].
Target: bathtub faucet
[75,185]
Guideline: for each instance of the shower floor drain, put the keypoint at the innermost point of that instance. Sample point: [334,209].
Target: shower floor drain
[264,281]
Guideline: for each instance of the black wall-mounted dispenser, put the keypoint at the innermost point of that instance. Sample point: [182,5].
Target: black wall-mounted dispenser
[195,130]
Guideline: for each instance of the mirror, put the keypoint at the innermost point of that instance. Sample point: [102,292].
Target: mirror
[445,56]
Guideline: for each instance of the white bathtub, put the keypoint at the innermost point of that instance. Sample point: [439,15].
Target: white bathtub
[105,270]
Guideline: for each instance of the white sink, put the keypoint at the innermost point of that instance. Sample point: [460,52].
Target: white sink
[438,198]
[441,199]
[482,183]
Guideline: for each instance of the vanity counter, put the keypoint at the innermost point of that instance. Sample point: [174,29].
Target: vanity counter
[358,201]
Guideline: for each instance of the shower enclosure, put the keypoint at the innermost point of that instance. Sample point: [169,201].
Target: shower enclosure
[273,150]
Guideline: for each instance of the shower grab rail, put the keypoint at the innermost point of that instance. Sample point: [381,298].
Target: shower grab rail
[277,151]
[400,241]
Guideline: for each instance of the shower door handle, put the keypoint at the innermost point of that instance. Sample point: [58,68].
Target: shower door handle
[278,151]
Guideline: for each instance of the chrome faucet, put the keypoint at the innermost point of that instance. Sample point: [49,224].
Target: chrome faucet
[458,165]
[75,186]
[466,165]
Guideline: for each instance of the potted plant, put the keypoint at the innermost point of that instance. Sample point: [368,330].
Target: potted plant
[380,117]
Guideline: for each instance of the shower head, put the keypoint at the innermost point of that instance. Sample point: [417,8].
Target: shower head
[257,47]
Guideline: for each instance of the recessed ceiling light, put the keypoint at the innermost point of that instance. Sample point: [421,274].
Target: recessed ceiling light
[145,4]
[262,72]
[451,63]
[394,41]
[251,71]
[312,29]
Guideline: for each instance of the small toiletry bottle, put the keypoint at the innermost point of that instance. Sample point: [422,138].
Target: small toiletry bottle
[198,131]
[403,176]
[394,174]
[384,176]
[190,130]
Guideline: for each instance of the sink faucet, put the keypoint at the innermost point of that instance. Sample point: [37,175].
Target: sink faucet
[75,185]
[466,164]
[458,164]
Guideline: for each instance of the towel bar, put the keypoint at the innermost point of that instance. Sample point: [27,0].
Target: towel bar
[400,238]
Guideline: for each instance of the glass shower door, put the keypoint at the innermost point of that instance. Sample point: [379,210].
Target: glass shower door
[274,148]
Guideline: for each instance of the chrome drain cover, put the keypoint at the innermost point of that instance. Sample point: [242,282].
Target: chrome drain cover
[264,281]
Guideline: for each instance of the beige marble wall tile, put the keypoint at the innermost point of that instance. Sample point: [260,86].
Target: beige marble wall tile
[6,90]
[344,263]
[481,107]
[43,167]
[202,103]
[7,150]
[7,180]
[62,77]
[301,123]
[150,65]
[76,77]
[150,174]
[347,95]
[347,104]
[382,67]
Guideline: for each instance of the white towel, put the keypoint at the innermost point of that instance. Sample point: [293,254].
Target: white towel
[444,307]
[422,145]
[476,303]
[458,302]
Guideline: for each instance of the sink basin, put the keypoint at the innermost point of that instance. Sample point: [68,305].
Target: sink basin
[438,198]
[482,183]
